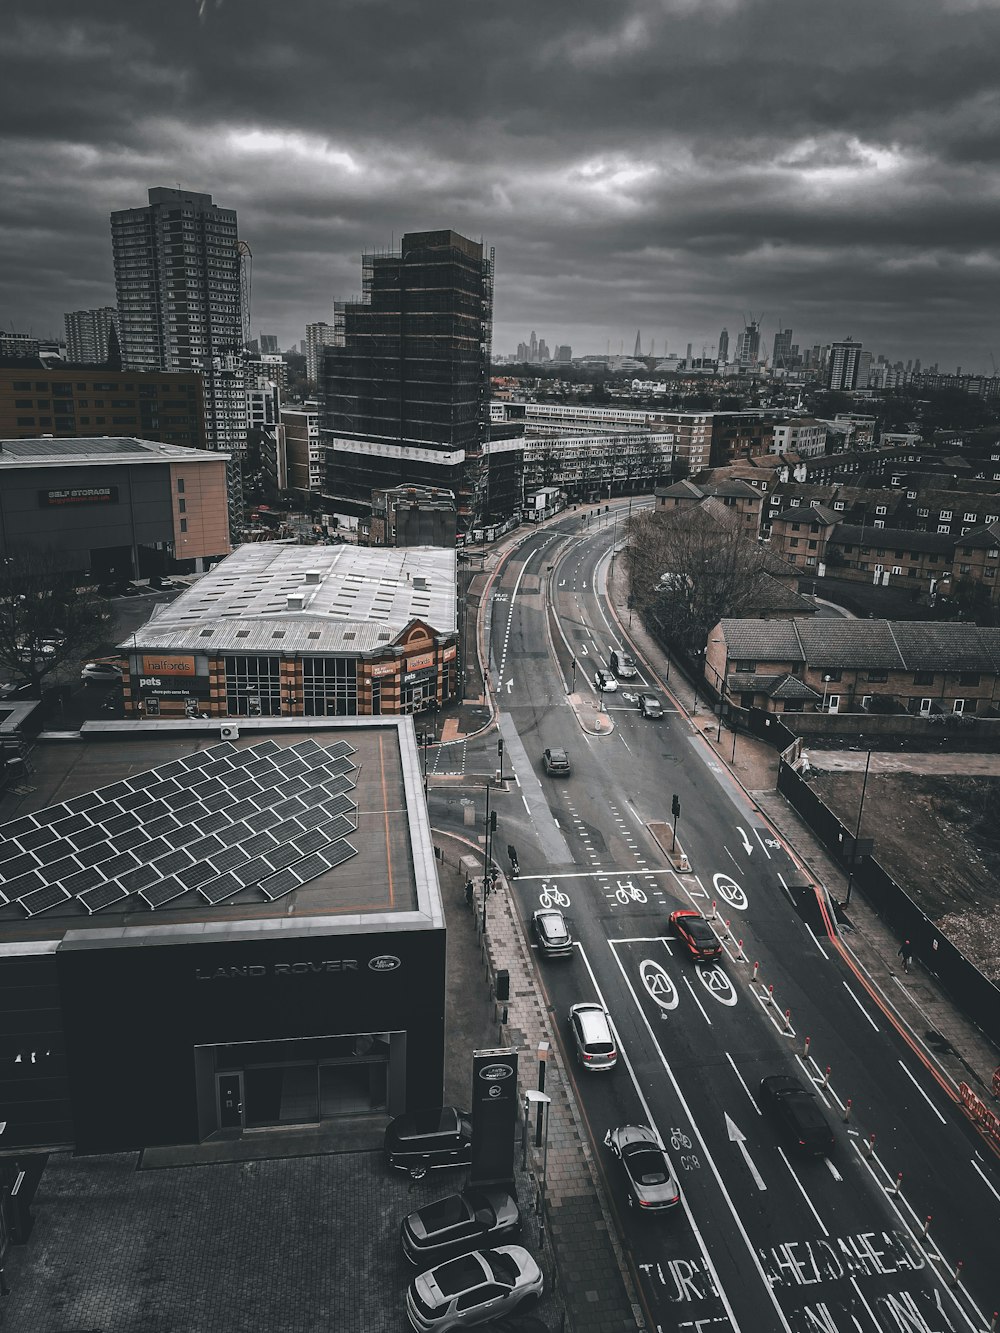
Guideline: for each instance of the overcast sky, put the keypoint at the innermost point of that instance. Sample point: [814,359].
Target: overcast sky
[671,167]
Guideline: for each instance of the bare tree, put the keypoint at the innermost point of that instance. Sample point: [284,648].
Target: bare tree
[45,618]
[692,566]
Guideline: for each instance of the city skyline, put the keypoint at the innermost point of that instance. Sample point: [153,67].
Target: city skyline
[838,204]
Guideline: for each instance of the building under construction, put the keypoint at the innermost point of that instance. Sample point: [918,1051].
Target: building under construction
[407,398]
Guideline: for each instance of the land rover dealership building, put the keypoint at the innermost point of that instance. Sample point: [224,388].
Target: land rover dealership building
[202,936]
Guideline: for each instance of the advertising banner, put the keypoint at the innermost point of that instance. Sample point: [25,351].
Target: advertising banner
[168,664]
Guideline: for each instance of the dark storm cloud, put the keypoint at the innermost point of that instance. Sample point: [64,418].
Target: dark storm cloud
[667,166]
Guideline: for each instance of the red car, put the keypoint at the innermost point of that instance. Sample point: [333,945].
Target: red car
[695,934]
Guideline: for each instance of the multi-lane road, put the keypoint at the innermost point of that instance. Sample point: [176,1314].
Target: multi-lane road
[764,1239]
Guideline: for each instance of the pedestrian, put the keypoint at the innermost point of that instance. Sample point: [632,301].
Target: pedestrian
[470,889]
[905,952]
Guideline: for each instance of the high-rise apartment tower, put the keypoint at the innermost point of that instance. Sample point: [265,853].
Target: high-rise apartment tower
[848,366]
[88,333]
[407,396]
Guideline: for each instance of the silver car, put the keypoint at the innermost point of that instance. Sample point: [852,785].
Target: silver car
[649,1178]
[477,1287]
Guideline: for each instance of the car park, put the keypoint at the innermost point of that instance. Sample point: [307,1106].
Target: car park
[796,1110]
[434,1137]
[556,762]
[650,706]
[623,665]
[605,682]
[101,673]
[695,934]
[481,1286]
[552,933]
[593,1038]
[650,1182]
[458,1223]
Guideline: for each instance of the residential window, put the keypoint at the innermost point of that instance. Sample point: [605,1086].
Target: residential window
[880,509]
[22,403]
[182,506]
[796,527]
[990,572]
[944,527]
[958,706]
[968,678]
[793,541]
[877,523]
[945,513]
[965,569]
[923,677]
[969,518]
[184,525]
[26,421]
[838,504]
[180,485]
[911,495]
[923,513]
[877,677]
[897,569]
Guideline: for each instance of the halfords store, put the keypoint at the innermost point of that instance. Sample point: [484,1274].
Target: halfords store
[278,631]
[203,937]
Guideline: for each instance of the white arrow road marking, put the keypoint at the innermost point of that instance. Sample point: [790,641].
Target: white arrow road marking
[509,684]
[747,844]
[737,1136]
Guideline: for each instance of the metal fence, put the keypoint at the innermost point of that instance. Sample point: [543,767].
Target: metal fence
[976,996]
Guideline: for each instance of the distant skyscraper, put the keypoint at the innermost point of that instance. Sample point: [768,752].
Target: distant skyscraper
[638,344]
[533,347]
[523,352]
[407,397]
[845,366]
[320,335]
[688,356]
[781,355]
[724,345]
[563,354]
[543,350]
[87,334]
[748,346]
[177,279]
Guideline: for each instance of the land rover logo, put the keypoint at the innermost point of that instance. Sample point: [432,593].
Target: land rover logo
[494,1073]
[385,962]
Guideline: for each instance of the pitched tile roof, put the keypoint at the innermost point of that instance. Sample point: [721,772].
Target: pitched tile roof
[904,539]
[859,645]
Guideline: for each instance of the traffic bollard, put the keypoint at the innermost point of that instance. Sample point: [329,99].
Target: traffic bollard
[805,1048]
[870,1145]
[826,1078]
[899,1183]
[927,1225]
[788,1020]
[740,958]
[956,1277]
[847,1111]
[714,916]
[756,969]
[770,995]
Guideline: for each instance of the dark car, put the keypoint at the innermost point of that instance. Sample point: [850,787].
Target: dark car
[623,666]
[695,934]
[459,1223]
[552,933]
[420,1140]
[797,1111]
[650,1182]
[556,762]
[17,690]
[650,706]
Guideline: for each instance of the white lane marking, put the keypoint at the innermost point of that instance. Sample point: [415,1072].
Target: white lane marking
[832,1169]
[556,822]
[986,1182]
[624,742]
[860,1005]
[527,807]
[737,1136]
[809,1075]
[697,1001]
[743,1083]
[785,887]
[817,943]
[861,1298]
[802,1191]
[584,874]
[763,845]
[922,1093]
[652,1123]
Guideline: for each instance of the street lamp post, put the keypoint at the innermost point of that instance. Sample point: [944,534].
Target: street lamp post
[826,682]
[540,1100]
[857,832]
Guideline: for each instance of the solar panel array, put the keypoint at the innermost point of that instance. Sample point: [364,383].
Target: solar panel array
[225,819]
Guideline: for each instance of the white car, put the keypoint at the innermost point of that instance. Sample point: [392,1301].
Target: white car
[605,682]
[101,673]
[468,1291]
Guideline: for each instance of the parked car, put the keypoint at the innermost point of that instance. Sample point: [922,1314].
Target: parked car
[650,706]
[101,673]
[459,1223]
[796,1109]
[696,935]
[436,1137]
[623,665]
[17,689]
[485,1284]
[649,1178]
[552,933]
[556,762]
[592,1037]
[605,682]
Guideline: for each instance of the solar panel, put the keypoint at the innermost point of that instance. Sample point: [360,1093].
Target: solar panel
[94,854]
[114,790]
[311,867]
[195,874]
[266,747]
[60,870]
[183,836]
[231,835]
[282,856]
[296,786]
[159,790]
[316,761]
[164,824]
[241,790]
[17,865]
[181,800]
[51,895]
[339,828]
[171,769]
[22,884]
[208,788]
[102,895]
[340,805]
[36,837]
[228,859]
[135,800]
[4,900]
[142,780]
[204,848]
[338,748]
[83,879]
[115,865]
[258,767]
[285,830]
[334,786]
[288,808]
[194,762]
[85,801]
[211,822]
[220,801]
[287,759]
[221,749]
[313,796]
[280,884]
[269,780]
[258,842]
[265,819]
[87,837]
[303,748]
[18,827]
[243,810]
[120,823]
[139,878]
[52,851]
[70,824]
[172,862]
[217,768]
[164,892]
[339,853]
[311,841]
[218,890]
[131,839]
[254,871]
[312,818]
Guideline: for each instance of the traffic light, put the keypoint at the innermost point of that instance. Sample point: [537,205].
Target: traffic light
[493,821]
[500,747]
[675,805]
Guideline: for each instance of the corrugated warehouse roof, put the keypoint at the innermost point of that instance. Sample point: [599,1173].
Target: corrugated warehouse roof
[97,450]
[316,599]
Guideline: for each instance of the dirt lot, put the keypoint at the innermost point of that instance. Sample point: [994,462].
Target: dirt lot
[939,837]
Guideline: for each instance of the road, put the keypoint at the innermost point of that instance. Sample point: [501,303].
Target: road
[764,1239]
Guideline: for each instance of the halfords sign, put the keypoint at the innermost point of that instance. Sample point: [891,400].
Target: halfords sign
[385,962]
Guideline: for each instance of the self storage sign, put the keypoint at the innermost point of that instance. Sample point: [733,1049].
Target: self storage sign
[78,495]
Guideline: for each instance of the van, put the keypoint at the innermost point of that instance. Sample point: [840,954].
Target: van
[592,1037]
[623,666]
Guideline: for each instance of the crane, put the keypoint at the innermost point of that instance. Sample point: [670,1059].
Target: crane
[245,259]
